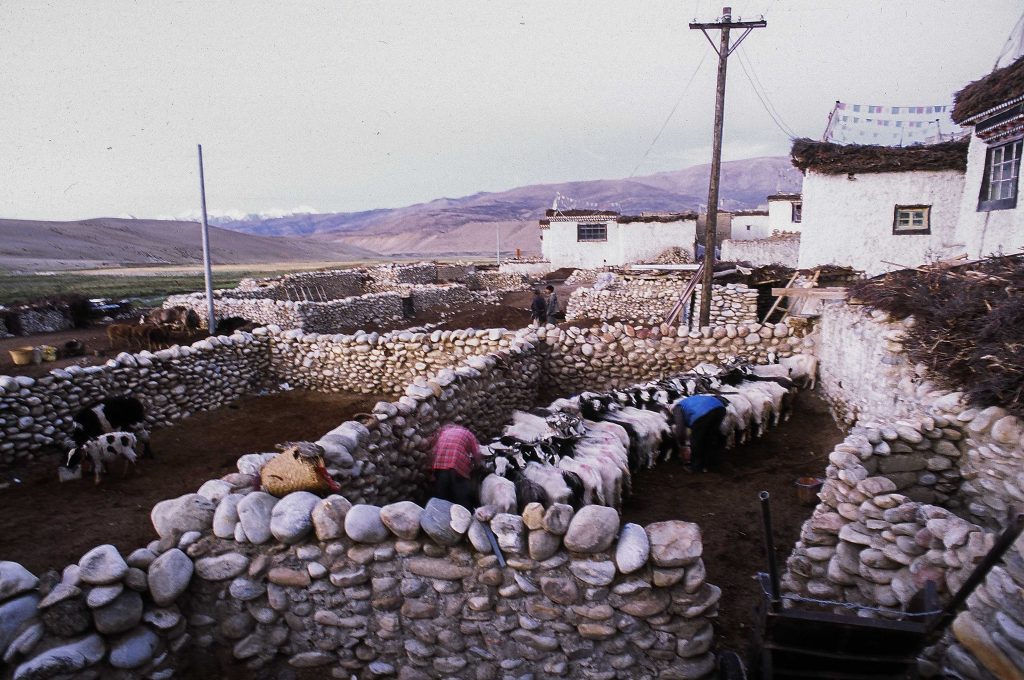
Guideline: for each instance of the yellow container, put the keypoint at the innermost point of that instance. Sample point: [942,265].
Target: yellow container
[22,356]
[49,352]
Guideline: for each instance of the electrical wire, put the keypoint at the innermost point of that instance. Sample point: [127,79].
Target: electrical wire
[764,91]
[670,113]
[765,102]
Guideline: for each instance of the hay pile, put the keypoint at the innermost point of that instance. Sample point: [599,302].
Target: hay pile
[969,327]
[992,90]
[840,159]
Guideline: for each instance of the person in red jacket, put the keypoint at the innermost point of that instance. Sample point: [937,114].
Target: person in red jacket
[456,454]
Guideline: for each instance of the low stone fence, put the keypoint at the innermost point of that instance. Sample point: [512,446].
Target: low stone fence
[496,281]
[32,320]
[36,413]
[617,355]
[647,301]
[333,283]
[783,249]
[531,269]
[386,277]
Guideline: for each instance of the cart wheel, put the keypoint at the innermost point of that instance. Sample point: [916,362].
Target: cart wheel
[730,667]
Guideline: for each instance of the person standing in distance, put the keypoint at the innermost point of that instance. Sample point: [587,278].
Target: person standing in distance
[552,308]
[697,423]
[538,309]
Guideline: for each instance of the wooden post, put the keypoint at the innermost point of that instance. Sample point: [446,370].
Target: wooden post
[724,50]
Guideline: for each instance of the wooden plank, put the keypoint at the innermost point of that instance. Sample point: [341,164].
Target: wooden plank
[665,267]
[821,293]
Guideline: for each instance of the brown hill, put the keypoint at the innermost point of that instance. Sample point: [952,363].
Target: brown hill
[462,226]
[27,245]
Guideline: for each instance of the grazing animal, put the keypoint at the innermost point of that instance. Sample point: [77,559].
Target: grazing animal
[104,451]
[149,335]
[120,334]
[498,492]
[178,316]
[803,369]
[111,415]
[229,325]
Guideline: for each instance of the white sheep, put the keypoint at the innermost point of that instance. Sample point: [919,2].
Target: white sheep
[499,492]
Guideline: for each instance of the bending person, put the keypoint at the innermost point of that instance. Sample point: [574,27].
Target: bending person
[456,454]
[698,422]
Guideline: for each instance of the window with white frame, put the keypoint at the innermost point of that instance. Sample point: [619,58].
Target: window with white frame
[798,212]
[591,232]
[1002,172]
[912,219]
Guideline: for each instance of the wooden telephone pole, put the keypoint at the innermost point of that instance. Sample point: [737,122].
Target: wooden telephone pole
[725,23]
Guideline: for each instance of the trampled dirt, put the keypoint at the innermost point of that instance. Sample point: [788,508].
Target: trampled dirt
[725,505]
[46,525]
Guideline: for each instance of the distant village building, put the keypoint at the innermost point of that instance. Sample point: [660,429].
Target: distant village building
[603,238]
[991,216]
[749,224]
[785,213]
[879,208]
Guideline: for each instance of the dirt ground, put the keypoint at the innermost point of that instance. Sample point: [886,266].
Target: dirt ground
[45,524]
[725,504]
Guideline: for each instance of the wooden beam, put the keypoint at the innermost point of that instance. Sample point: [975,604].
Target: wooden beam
[820,293]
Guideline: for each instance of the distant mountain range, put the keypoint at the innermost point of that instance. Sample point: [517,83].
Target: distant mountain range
[468,225]
[446,226]
[29,246]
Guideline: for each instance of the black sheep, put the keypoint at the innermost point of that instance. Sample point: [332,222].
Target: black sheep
[113,414]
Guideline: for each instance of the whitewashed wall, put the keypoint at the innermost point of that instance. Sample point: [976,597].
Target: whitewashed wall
[763,251]
[747,227]
[986,233]
[849,221]
[780,216]
[626,243]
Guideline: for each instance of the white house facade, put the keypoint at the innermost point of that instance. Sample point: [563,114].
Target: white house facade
[785,213]
[593,239]
[879,209]
[991,216]
[750,224]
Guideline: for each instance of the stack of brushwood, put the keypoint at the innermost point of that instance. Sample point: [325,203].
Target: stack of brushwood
[969,326]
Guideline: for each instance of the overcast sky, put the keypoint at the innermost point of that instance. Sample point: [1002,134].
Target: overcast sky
[339,106]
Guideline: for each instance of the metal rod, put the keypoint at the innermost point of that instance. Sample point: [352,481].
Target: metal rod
[497,236]
[769,548]
[1003,543]
[207,268]
[494,544]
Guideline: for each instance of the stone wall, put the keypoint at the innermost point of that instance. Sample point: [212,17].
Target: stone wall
[333,283]
[617,355]
[916,492]
[784,250]
[36,319]
[529,268]
[497,281]
[3,329]
[647,301]
[36,413]
[385,277]
[395,590]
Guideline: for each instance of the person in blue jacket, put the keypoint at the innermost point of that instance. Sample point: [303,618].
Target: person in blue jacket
[698,421]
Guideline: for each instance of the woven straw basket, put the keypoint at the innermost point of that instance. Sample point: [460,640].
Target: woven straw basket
[289,471]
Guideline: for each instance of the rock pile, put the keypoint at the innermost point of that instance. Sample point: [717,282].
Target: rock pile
[647,301]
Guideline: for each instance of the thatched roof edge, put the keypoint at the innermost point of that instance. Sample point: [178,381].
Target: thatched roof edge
[838,159]
[989,92]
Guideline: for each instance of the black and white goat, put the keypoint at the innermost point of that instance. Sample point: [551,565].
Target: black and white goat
[113,414]
[103,451]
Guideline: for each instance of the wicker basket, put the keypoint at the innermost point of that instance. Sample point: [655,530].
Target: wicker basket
[289,471]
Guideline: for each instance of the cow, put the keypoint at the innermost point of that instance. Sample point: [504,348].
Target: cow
[120,333]
[149,335]
[113,414]
[103,451]
[230,324]
[178,316]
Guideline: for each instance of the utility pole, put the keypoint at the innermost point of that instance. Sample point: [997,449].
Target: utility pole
[725,23]
[207,269]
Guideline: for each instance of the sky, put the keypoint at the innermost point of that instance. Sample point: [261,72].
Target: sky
[344,106]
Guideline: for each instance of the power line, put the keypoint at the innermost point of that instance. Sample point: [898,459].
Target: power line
[764,91]
[670,113]
[769,109]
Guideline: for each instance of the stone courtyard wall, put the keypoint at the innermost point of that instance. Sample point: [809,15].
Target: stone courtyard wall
[916,492]
[647,301]
[399,590]
[780,249]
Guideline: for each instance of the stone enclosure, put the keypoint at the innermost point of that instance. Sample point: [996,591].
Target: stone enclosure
[373,584]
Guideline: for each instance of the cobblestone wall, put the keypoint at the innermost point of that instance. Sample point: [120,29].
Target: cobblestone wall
[647,301]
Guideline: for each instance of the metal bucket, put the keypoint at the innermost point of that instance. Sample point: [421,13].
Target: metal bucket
[807,489]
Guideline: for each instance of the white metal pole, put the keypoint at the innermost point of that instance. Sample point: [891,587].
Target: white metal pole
[207,269]
[497,236]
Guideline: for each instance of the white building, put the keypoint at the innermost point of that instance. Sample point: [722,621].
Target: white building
[877,208]
[592,239]
[749,224]
[991,216]
[785,213]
